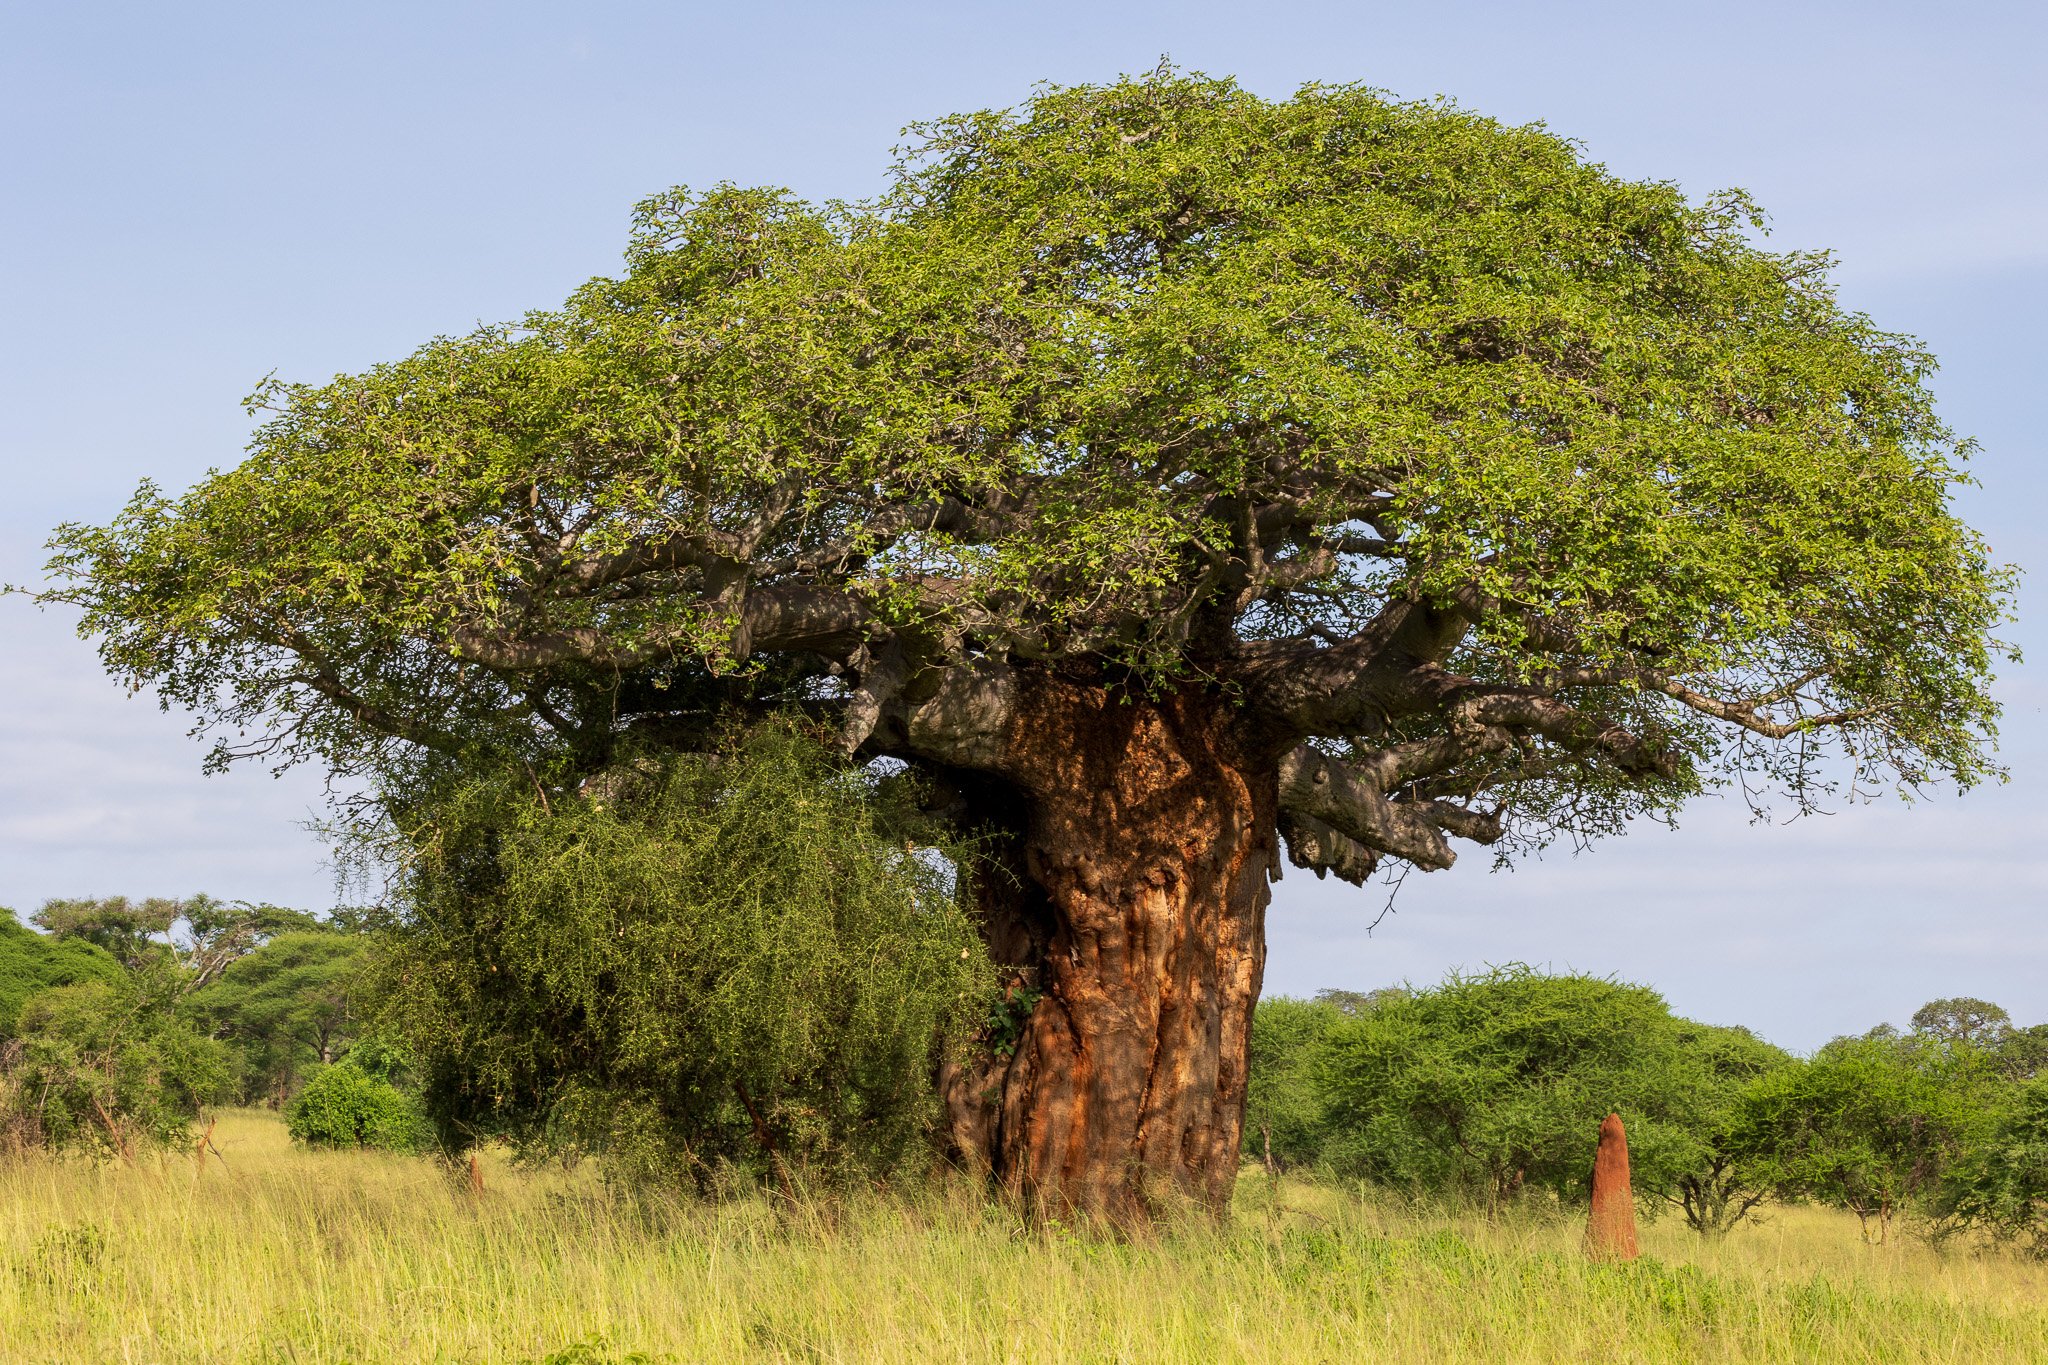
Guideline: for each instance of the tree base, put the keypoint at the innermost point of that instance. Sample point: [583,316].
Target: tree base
[1132,902]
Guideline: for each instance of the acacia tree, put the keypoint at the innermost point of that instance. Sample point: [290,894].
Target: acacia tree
[284,1008]
[1166,473]
[199,935]
[1488,1085]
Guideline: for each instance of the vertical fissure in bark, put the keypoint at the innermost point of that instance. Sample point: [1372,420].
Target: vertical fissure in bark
[1145,833]
[1016,923]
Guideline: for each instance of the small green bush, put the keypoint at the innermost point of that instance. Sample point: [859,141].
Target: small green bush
[66,1254]
[597,1351]
[285,1009]
[344,1106]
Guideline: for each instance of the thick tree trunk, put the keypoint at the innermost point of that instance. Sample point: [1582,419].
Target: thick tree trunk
[1133,900]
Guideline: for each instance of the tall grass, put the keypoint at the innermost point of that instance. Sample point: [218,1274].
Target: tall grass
[285,1255]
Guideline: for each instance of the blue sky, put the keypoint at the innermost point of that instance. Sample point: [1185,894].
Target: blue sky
[192,197]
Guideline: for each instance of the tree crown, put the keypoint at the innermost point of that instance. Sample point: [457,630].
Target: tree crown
[1513,486]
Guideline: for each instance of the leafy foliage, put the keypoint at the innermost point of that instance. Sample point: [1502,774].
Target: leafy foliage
[1158,378]
[199,935]
[1870,1124]
[347,1106]
[2000,1182]
[1962,1020]
[106,1066]
[133,933]
[1492,1084]
[735,960]
[1500,497]
[1486,1087]
[1724,1182]
[1490,1087]
[30,962]
[1284,1122]
[285,1008]
[125,1015]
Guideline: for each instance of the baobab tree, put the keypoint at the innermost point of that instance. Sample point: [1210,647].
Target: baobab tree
[1181,481]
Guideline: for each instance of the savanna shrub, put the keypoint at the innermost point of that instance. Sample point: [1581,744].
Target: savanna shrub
[345,1106]
[106,1067]
[2001,1183]
[1493,1085]
[695,965]
[1869,1124]
[1285,1123]
[284,1008]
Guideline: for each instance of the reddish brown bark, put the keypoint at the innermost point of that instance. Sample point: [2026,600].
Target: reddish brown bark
[1611,1228]
[1137,897]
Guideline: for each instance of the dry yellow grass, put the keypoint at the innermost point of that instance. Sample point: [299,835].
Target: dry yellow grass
[294,1256]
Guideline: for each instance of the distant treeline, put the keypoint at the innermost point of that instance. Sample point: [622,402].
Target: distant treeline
[120,1020]
[1489,1088]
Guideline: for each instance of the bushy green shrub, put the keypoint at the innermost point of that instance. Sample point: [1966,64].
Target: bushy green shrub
[1871,1124]
[346,1106]
[107,1066]
[689,964]
[2000,1183]
[1494,1085]
[1284,1124]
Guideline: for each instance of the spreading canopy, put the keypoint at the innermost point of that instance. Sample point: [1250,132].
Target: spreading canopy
[1503,494]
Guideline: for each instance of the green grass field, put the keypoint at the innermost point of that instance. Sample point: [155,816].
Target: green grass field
[285,1255]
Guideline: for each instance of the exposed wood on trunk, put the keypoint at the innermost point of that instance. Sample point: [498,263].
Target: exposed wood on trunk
[1148,841]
